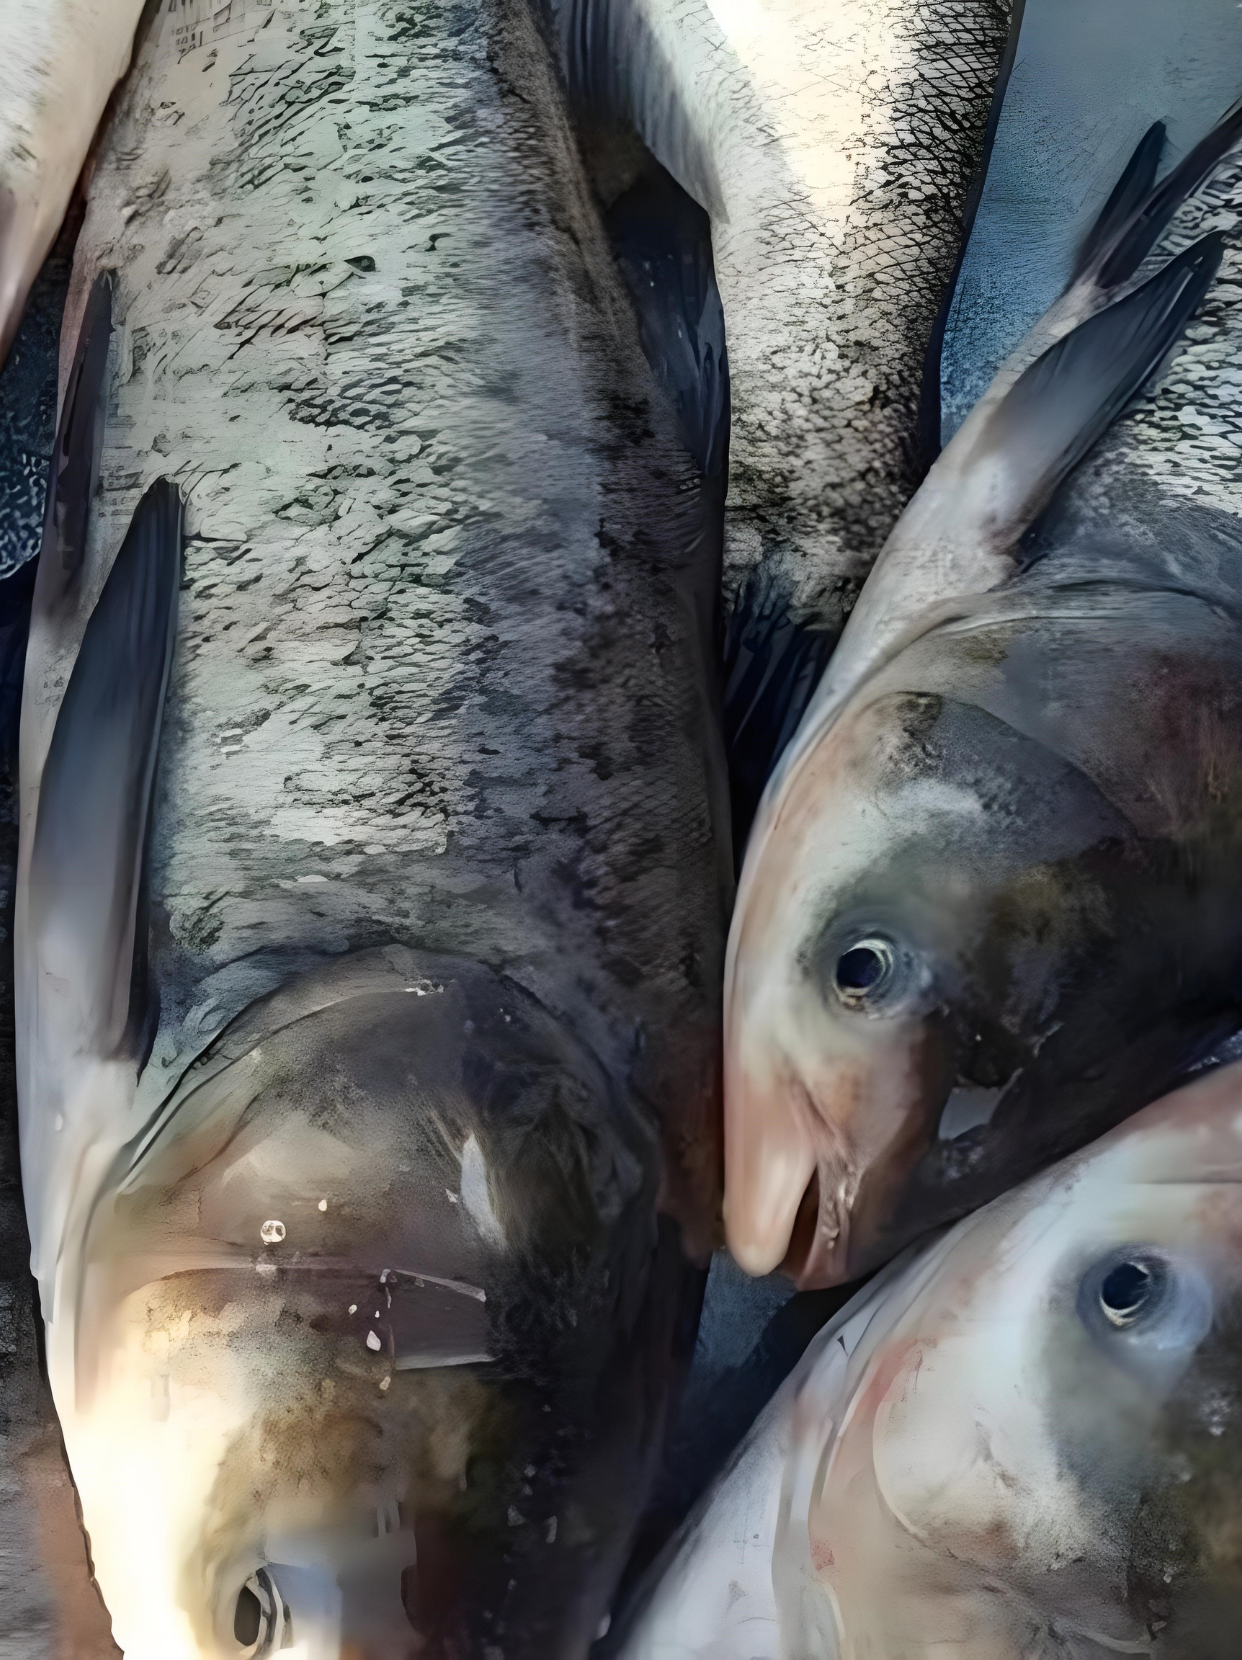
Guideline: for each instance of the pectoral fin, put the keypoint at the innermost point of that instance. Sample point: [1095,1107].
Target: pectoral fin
[771,665]
[90,836]
[615,63]
[1128,195]
[1059,407]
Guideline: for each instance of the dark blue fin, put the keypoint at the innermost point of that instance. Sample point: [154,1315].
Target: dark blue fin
[663,243]
[1129,194]
[16,593]
[771,667]
[1067,399]
[75,459]
[613,64]
[1149,223]
[86,871]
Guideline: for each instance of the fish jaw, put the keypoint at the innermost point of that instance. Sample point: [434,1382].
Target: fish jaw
[58,65]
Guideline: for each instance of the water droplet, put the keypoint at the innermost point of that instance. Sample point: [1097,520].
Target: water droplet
[373,1341]
[323,1204]
[353,1308]
[271,1233]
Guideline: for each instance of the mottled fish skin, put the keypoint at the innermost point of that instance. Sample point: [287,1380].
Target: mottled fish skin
[1014,816]
[1022,1439]
[834,150]
[59,62]
[359,1303]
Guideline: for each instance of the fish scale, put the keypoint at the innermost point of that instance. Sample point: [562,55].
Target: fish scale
[372,654]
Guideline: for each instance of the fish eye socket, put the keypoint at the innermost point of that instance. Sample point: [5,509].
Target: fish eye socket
[254,1615]
[865,971]
[1148,1308]
[1130,1289]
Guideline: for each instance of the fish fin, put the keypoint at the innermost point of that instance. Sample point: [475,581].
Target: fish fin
[1129,194]
[1134,237]
[1067,399]
[87,860]
[614,64]
[662,240]
[771,667]
[16,593]
[74,472]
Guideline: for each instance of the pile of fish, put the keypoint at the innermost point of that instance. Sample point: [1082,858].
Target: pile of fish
[495,500]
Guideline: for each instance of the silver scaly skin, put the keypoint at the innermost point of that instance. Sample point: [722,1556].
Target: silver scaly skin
[368,1043]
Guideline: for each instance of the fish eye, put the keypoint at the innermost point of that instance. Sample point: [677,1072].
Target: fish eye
[865,971]
[1146,1306]
[254,1615]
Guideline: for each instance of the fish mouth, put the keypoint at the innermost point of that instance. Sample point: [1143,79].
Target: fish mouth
[818,1256]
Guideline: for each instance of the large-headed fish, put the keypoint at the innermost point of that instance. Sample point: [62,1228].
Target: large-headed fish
[368,1042]
[992,898]
[1022,1440]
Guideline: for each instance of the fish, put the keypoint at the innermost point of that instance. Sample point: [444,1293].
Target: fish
[987,907]
[1022,1438]
[374,860]
[48,1604]
[835,161]
[59,63]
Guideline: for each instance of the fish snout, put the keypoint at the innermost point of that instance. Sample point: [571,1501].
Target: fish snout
[789,1180]
[819,1150]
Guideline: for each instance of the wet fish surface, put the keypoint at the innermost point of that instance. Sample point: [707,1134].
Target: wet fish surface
[989,906]
[834,153]
[1021,1439]
[375,864]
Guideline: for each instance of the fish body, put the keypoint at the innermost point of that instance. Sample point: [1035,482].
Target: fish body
[834,153]
[59,63]
[988,905]
[1019,1439]
[374,858]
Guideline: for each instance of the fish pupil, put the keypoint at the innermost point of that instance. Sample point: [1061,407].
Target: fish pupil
[1125,1291]
[247,1618]
[863,968]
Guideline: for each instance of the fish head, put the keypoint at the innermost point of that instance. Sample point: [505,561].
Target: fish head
[1043,1451]
[371,1337]
[940,909]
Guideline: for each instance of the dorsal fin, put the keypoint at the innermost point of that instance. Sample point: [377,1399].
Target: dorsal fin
[90,835]
[771,666]
[662,239]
